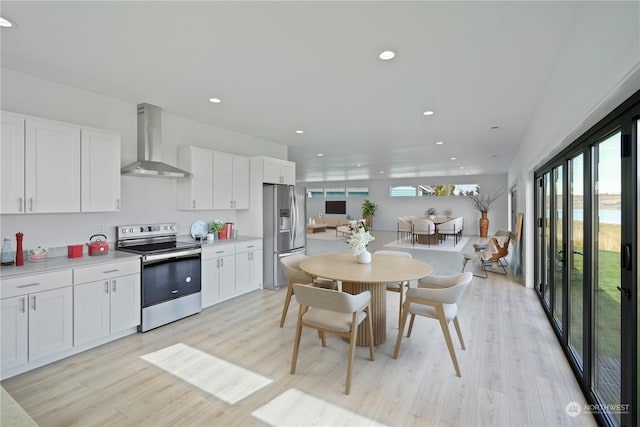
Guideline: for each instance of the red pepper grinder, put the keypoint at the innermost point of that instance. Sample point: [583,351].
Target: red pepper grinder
[19,253]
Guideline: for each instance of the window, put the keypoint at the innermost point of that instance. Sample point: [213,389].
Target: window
[315,192]
[464,189]
[335,192]
[357,192]
[403,191]
[433,190]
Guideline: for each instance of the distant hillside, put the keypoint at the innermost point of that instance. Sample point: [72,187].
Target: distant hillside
[611,202]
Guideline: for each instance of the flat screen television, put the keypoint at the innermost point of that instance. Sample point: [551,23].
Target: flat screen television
[335,207]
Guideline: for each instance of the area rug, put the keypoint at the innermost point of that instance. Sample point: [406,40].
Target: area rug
[447,245]
[330,234]
[215,376]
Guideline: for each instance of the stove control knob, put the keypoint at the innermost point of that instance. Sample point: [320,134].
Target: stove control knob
[124,230]
[173,227]
[142,229]
[131,230]
[166,227]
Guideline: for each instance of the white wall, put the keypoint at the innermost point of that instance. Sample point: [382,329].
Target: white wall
[143,199]
[597,71]
[390,208]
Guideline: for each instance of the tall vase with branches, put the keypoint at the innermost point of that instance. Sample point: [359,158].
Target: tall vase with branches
[483,201]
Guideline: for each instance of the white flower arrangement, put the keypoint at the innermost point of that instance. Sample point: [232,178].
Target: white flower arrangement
[360,238]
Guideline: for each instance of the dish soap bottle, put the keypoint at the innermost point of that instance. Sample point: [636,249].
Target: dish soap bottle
[8,255]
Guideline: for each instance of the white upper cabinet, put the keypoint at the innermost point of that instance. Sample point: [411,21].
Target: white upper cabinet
[230,181]
[12,163]
[100,171]
[195,193]
[278,171]
[49,166]
[52,166]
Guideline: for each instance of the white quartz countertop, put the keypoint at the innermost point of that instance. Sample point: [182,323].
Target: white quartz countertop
[64,263]
[221,242]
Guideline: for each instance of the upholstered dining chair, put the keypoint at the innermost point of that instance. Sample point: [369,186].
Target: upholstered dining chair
[423,227]
[337,313]
[397,286]
[436,297]
[451,228]
[405,229]
[291,269]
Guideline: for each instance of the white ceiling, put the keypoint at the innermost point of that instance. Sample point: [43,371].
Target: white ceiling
[283,66]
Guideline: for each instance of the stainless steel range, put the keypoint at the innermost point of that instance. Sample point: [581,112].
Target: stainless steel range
[170,272]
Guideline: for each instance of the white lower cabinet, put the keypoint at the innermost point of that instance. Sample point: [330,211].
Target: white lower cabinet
[106,300]
[36,317]
[248,266]
[218,273]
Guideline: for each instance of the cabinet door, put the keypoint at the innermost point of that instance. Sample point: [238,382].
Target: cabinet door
[240,182]
[288,173]
[222,181]
[227,277]
[12,163]
[14,331]
[271,171]
[90,311]
[210,285]
[196,193]
[243,272]
[50,322]
[100,170]
[256,270]
[125,302]
[52,167]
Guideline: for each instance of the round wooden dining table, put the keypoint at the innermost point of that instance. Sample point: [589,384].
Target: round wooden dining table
[372,277]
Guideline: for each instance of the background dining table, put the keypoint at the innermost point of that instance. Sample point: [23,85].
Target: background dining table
[371,277]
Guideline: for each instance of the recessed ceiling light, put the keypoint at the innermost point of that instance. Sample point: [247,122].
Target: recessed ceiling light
[439,142]
[215,100]
[387,55]
[5,23]
[453,158]
[381,171]
[320,154]
[428,113]
[461,167]
[358,165]
[300,131]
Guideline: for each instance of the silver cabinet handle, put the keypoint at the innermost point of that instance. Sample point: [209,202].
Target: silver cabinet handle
[110,271]
[33,302]
[118,204]
[31,204]
[248,256]
[218,263]
[22,305]
[19,204]
[221,262]
[193,203]
[29,285]
[106,287]
[114,286]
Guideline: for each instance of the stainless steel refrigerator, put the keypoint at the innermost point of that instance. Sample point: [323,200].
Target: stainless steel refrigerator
[284,230]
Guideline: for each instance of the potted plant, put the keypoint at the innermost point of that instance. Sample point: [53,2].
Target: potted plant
[368,211]
[431,213]
[215,227]
[483,201]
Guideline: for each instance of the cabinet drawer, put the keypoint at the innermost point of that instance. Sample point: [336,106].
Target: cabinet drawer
[218,251]
[105,271]
[253,245]
[35,283]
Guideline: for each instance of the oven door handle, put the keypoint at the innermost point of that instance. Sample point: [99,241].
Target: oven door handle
[172,255]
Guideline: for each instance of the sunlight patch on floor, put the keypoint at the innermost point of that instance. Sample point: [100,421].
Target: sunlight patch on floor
[294,407]
[224,380]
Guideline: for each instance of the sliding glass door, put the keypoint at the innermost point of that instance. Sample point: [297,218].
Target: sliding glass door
[607,274]
[587,211]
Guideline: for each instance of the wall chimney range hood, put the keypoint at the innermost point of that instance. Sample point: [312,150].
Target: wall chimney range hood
[149,162]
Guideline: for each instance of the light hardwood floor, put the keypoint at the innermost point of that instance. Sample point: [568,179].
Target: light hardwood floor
[513,371]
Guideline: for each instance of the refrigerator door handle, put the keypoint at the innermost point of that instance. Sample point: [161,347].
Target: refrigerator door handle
[294,216]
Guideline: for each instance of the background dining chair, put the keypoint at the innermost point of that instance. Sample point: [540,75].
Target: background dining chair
[397,286]
[291,269]
[451,228]
[405,229]
[337,313]
[436,297]
[423,227]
